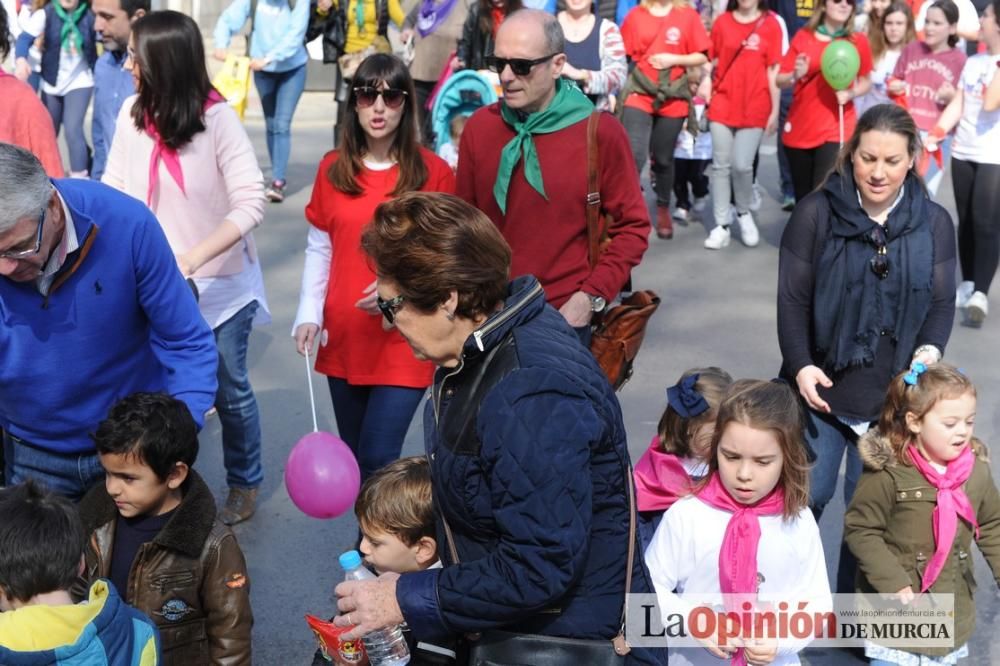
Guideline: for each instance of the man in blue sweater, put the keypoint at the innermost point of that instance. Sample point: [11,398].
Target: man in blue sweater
[93,309]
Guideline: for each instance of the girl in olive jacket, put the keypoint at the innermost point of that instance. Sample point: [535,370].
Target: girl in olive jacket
[926,492]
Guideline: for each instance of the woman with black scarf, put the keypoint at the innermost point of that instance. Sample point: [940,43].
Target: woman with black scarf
[866,286]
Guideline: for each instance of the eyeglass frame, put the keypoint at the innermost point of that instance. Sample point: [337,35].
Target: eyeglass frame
[379,93]
[389,307]
[24,254]
[495,64]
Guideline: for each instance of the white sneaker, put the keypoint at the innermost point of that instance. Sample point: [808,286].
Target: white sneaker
[976,309]
[680,214]
[755,198]
[699,204]
[717,239]
[748,230]
[963,293]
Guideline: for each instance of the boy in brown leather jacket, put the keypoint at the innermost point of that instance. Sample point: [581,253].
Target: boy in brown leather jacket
[154,534]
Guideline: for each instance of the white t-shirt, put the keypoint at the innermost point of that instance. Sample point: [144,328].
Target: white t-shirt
[74,72]
[978,135]
[683,560]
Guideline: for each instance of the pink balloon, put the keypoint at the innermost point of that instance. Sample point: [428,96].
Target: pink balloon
[322,475]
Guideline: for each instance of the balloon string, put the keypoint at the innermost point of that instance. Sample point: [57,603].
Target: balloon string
[312,397]
[841,125]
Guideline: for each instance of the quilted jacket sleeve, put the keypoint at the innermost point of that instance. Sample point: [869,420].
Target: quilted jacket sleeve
[536,431]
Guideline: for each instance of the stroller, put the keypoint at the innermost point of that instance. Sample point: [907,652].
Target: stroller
[461,94]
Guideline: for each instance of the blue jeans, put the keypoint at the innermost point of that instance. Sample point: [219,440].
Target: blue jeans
[68,111]
[68,474]
[373,420]
[279,95]
[236,403]
[829,440]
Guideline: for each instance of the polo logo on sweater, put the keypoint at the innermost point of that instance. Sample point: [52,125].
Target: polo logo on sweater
[175,610]
[673,35]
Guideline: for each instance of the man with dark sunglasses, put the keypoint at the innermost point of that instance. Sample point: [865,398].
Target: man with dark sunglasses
[523,162]
[93,309]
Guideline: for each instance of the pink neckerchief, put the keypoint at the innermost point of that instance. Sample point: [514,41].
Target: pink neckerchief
[660,479]
[738,554]
[171,160]
[952,502]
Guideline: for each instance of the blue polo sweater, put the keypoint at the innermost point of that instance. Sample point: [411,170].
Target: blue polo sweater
[118,319]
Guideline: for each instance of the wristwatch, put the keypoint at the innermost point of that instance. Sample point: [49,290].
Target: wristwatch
[597,303]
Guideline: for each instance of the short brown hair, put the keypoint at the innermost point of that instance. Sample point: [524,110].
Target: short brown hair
[938,381]
[675,430]
[397,499]
[430,244]
[774,407]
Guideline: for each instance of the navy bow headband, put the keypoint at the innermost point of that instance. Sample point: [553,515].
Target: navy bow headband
[685,399]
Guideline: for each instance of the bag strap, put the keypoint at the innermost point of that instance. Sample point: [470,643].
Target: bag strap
[619,643]
[716,83]
[593,190]
[382,17]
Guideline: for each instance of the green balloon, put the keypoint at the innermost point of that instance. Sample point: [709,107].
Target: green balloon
[840,64]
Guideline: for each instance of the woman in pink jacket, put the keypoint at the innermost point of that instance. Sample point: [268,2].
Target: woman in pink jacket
[181,149]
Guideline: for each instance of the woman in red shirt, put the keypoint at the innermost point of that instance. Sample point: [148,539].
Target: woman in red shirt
[660,36]
[375,382]
[812,132]
[746,50]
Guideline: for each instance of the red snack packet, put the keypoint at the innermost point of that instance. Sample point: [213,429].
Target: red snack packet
[333,648]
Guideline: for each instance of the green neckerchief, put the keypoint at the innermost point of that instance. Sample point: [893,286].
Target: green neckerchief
[69,27]
[359,15]
[569,106]
[823,30]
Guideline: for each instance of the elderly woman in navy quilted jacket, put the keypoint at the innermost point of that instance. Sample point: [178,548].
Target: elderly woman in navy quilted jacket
[525,439]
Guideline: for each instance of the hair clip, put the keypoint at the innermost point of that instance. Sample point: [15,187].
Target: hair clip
[916,369]
[685,399]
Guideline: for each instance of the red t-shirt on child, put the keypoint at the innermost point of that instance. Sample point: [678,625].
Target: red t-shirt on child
[741,98]
[813,118]
[680,32]
[353,345]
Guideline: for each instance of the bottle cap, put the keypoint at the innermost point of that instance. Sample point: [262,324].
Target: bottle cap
[350,560]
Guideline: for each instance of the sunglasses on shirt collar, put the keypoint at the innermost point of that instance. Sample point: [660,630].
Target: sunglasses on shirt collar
[880,262]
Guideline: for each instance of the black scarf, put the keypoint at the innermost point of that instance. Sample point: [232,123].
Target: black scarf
[849,300]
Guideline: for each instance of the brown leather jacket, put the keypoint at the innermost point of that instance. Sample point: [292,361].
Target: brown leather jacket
[191,580]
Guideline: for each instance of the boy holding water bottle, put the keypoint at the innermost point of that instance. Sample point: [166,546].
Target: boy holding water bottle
[396,515]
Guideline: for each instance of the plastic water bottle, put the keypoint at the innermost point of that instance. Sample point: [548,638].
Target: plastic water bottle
[385,647]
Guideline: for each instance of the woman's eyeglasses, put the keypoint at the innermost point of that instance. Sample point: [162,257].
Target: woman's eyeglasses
[366,96]
[390,307]
[520,66]
[880,262]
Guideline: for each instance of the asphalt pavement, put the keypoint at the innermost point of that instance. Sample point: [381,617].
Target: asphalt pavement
[718,309]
